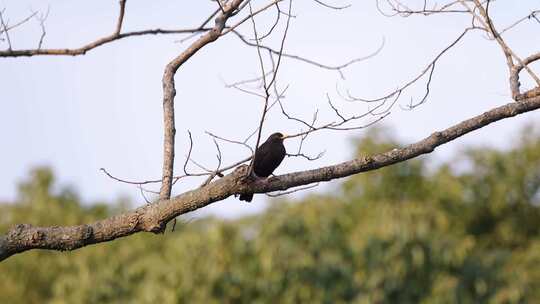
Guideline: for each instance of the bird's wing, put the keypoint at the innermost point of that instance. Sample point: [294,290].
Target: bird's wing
[267,159]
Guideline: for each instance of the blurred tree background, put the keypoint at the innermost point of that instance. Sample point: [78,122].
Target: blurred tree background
[466,231]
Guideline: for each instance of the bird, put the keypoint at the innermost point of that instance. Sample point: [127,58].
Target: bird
[267,158]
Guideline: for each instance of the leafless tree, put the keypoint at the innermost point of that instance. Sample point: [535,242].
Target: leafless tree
[239,18]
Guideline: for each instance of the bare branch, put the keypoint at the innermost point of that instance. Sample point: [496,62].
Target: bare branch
[334,108]
[338,68]
[243,144]
[280,53]
[535,17]
[216,172]
[398,8]
[516,23]
[307,157]
[267,86]
[532,58]
[430,67]
[116,35]
[169,92]
[120,17]
[23,21]
[41,19]
[5,29]
[257,129]
[220,5]
[218,156]
[251,15]
[188,157]
[508,52]
[247,81]
[88,47]
[126,181]
[332,6]
[290,117]
[266,97]
[202,26]
[276,22]
[143,195]
[292,190]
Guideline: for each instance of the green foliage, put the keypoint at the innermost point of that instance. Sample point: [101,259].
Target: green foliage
[409,233]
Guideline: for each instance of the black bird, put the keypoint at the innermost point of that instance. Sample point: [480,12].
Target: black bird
[267,158]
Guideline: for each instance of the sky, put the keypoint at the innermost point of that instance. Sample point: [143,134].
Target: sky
[103,109]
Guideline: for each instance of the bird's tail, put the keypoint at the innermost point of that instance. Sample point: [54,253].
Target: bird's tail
[246,197]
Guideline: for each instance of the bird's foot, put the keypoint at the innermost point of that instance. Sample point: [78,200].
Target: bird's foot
[251,177]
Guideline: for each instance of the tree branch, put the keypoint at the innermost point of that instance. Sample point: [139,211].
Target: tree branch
[169,93]
[152,218]
[116,35]
[92,45]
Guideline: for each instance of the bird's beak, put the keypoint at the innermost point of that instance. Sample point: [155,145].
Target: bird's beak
[284,136]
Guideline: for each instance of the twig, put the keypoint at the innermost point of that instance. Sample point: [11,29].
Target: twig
[274,25]
[231,141]
[120,17]
[143,195]
[338,68]
[292,190]
[18,23]
[41,19]
[261,121]
[398,8]
[188,157]
[429,67]
[251,15]
[126,181]
[508,52]
[528,17]
[220,5]
[310,158]
[6,31]
[334,108]
[246,81]
[332,6]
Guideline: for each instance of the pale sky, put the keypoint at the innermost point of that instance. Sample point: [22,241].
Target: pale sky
[103,109]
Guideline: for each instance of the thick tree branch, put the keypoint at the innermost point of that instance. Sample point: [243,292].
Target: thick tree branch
[169,93]
[152,218]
